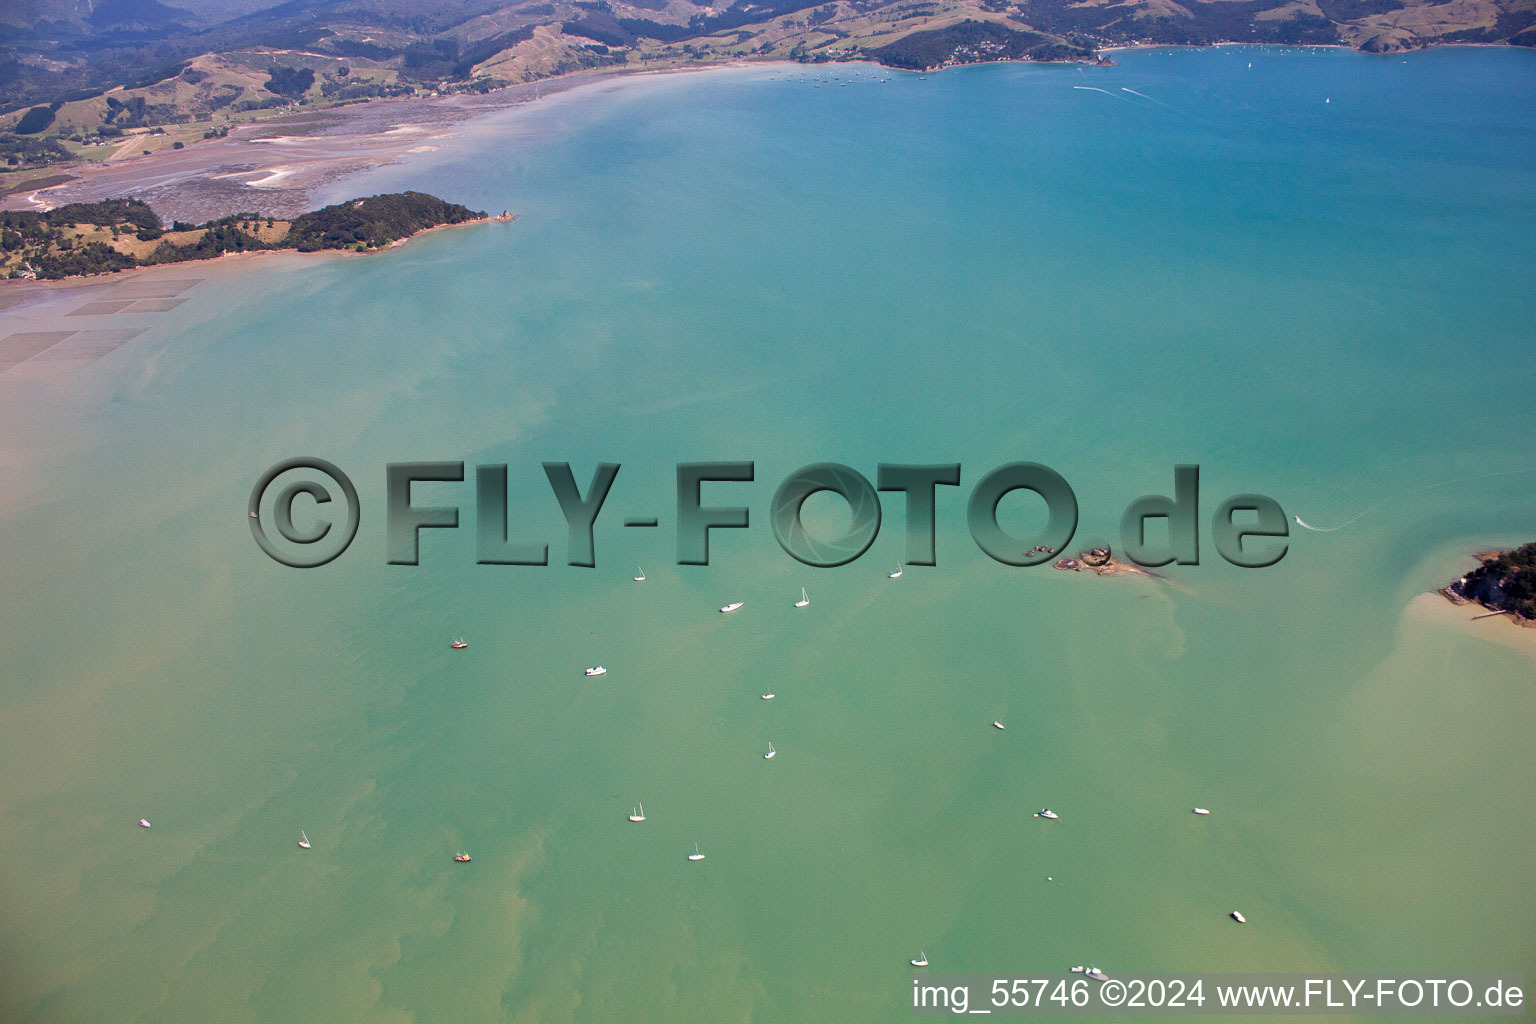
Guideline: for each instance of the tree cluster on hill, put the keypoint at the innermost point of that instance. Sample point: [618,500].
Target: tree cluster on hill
[30,150]
[31,224]
[36,119]
[289,82]
[91,258]
[374,221]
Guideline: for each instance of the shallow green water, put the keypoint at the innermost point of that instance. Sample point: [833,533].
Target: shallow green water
[1310,276]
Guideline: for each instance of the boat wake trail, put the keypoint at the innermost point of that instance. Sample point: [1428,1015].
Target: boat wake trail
[1144,96]
[1318,529]
[1094,88]
[1406,494]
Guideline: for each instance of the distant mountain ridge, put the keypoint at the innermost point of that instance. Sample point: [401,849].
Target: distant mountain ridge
[50,49]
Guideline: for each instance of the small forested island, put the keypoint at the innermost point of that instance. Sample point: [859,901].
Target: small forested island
[118,234]
[1505,582]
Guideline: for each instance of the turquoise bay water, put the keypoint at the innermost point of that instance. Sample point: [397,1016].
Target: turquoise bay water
[1311,277]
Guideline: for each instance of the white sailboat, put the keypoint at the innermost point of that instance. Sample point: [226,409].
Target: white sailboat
[922,959]
[640,578]
[1201,810]
[769,696]
[732,606]
[897,574]
[637,813]
[771,753]
[804,600]
[695,855]
[303,840]
[144,823]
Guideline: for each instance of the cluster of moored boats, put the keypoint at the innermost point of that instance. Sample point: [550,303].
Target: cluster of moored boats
[637,813]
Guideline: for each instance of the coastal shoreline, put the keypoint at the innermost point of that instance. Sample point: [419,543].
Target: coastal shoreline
[12,290]
[1455,594]
[276,167]
[297,155]
[1469,619]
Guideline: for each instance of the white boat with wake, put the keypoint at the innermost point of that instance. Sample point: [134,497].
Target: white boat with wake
[696,855]
[804,600]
